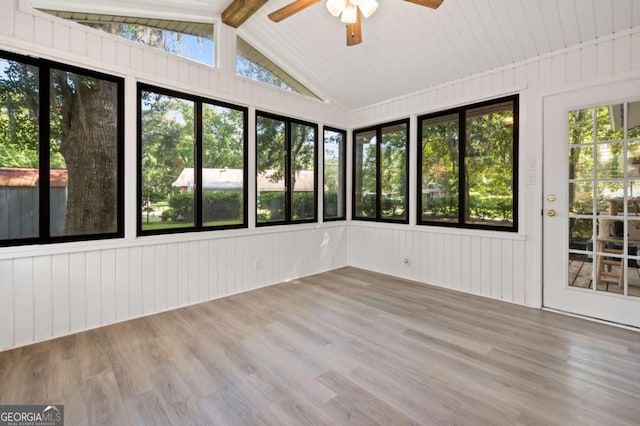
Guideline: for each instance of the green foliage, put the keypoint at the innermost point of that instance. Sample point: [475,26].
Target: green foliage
[330,203]
[271,206]
[182,204]
[221,205]
[303,205]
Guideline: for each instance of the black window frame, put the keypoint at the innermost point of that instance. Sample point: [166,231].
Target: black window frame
[198,101]
[44,131]
[461,112]
[378,129]
[343,179]
[288,121]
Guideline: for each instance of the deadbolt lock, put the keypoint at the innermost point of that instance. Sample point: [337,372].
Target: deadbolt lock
[551,212]
[551,198]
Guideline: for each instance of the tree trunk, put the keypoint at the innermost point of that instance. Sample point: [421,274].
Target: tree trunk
[89,146]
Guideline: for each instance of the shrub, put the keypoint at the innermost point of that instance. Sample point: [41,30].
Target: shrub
[182,205]
[221,205]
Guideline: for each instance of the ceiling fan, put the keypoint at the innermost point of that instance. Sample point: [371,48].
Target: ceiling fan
[350,10]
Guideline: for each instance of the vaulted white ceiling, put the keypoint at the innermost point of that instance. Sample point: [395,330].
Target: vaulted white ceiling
[408,47]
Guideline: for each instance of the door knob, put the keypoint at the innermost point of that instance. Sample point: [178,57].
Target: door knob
[551,212]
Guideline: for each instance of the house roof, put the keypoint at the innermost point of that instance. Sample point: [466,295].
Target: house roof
[27,177]
[406,47]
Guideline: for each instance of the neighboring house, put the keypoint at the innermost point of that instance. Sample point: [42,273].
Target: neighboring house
[231,180]
[19,192]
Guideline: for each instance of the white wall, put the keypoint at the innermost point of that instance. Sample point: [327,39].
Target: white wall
[52,290]
[499,265]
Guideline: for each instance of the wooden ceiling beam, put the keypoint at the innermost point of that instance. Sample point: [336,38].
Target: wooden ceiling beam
[433,4]
[241,10]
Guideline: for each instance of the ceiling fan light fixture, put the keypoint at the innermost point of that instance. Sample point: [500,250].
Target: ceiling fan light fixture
[335,7]
[349,14]
[367,7]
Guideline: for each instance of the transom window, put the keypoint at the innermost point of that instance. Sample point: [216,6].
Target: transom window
[189,40]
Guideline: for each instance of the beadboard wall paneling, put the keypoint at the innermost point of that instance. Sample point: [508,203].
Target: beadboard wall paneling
[492,267]
[506,266]
[52,295]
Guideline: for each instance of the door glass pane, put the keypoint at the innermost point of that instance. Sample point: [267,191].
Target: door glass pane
[633,120]
[633,274]
[440,144]
[223,166]
[19,144]
[393,172]
[84,155]
[610,123]
[610,197]
[581,234]
[580,270]
[303,195]
[581,162]
[365,201]
[581,126]
[167,163]
[580,198]
[633,159]
[271,170]
[610,160]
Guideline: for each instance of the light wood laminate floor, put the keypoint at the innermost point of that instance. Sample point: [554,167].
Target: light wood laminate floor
[346,346]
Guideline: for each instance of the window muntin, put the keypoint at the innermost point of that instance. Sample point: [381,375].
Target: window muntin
[380,177]
[335,165]
[192,163]
[468,166]
[286,179]
[61,152]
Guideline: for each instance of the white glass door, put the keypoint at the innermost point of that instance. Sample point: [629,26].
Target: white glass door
[591,246]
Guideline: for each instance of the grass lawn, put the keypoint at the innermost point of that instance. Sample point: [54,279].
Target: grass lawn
[157,223]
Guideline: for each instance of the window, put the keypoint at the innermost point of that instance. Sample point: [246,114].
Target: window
[286,173]
[61,152]
[467,166]
[192,163]
[335,175]
[380,177]
[189,40]
[252,64]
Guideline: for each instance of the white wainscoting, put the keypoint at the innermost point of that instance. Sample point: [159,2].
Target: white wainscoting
[47,296]
[483,263]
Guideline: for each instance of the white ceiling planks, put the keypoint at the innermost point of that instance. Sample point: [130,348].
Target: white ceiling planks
[406,47]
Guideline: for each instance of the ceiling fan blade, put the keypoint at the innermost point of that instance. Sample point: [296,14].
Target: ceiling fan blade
[354,32]
[240,10]
[290,9]
[433,4]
